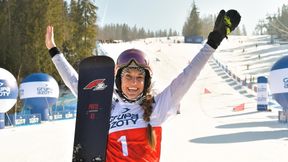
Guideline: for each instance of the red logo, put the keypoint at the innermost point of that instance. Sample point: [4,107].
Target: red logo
[96,85]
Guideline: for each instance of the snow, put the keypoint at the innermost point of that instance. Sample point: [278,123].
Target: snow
[206,130]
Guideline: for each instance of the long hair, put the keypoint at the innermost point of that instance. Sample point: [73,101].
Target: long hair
[147,107]
[146,103]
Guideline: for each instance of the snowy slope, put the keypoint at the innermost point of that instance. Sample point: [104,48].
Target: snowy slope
[207,129]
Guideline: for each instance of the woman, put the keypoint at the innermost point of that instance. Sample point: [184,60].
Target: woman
[139,139]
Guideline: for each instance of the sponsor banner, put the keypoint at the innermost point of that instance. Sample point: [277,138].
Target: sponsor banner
[20,120]
[58,116]
[34,119]
[39,89]
[279,80]
[63,115]
[30,119]
[262,94]
[262,107]
[69,115]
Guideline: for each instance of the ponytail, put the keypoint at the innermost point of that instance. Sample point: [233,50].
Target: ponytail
[151,136]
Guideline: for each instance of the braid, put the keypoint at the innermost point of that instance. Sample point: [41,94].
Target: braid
[147,107]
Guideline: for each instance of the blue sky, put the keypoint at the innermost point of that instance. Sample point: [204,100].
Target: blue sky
[165,14]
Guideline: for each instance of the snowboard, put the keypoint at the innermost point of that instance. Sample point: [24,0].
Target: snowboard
[95,89]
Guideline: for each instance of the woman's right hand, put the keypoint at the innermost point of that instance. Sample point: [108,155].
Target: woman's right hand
[49,37]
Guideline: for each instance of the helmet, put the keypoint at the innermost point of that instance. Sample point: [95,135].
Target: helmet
[140,59]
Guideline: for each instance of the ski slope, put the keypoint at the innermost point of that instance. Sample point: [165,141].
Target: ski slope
[207,130]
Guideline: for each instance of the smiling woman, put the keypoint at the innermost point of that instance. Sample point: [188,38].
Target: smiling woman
[137,116]
[132,82]
[133,63]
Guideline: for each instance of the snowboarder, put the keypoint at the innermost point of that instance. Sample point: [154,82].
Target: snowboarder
[136,115]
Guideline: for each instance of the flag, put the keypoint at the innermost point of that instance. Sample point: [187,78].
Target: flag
[206,91]
[239,107]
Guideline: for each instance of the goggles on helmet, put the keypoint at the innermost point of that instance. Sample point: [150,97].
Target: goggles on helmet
[132,56]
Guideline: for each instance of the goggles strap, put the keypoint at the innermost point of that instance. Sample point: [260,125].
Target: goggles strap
[133,63]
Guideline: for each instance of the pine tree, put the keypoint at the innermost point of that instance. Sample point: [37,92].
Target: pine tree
[90,28]
[192,25]
[82,29]
[125,32]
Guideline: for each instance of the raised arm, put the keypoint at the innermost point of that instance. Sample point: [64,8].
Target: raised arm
[225,23]
[66,71]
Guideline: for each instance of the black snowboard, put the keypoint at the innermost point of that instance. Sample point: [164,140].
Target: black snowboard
[95,89]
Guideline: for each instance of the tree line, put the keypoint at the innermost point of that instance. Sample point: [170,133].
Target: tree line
[194,25]
[126,33]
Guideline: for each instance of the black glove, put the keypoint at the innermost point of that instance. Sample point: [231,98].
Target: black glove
[54,51]
[225,23]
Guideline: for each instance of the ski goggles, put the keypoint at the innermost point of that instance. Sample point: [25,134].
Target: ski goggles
[132,55]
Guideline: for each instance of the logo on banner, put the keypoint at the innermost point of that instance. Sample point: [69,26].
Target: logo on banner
[285,81]
[45,90]
[4,91]
[96,85]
